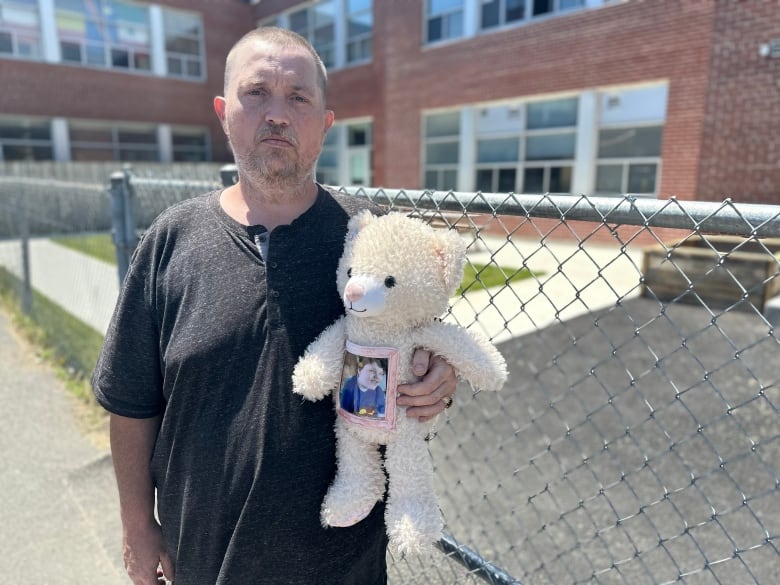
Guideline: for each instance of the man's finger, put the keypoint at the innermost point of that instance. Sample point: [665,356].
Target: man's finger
[421,360]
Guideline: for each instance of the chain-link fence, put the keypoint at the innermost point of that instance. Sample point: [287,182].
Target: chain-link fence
[638,438]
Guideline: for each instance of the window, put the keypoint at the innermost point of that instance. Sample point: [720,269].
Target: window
[444,20]
[190,145]
[25,139]
[328,163]
[527,148]
[183,44]
[317,24]
[629,141]
[20,29]
[501,12]
[340,31]
[100,141]
[629,158]
[498,12]
[346,155]
[104,33]
[360,25]
[442,150]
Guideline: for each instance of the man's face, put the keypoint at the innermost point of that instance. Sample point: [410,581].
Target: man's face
[370,376]
[274,113]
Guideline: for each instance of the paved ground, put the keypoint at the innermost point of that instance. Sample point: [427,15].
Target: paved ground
[60,522]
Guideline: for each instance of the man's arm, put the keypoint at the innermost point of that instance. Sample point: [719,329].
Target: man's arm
[132,443]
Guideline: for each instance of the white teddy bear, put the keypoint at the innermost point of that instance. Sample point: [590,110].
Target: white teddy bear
[397,275]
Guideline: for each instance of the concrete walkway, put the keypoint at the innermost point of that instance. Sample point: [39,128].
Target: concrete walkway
[86,287]
[569,281]
[60,520]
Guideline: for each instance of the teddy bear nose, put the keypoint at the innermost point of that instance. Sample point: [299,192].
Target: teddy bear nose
[354,292]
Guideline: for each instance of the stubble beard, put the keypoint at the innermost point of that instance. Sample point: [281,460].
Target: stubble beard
[274,170]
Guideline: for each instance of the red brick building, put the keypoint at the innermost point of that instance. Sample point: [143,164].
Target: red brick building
[657,98]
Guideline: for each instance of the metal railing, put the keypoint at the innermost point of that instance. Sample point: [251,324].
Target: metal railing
[638,438]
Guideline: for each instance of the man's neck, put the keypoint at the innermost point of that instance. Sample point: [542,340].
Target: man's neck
[267,207]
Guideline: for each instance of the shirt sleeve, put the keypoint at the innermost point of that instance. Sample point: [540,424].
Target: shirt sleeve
[127,379]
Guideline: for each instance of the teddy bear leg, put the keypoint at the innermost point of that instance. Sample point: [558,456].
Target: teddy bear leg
[412,515]
[359,483]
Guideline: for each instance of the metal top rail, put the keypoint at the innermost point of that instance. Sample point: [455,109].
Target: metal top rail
[726,217]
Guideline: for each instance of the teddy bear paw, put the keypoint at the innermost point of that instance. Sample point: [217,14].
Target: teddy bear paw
[341,509]
[307,379]
[408,536]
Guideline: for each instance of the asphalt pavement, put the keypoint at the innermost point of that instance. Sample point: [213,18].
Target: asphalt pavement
[59,514]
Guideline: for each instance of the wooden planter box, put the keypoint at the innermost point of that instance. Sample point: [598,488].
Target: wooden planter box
[713,269]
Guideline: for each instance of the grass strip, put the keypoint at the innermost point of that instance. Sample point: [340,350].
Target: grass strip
[477,277]
[99,246]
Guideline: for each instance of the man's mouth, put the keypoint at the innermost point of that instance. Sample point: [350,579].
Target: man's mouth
[277,140]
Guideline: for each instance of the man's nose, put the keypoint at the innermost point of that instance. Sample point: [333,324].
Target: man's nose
[277,111]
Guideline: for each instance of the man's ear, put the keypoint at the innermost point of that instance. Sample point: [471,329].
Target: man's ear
[330,116]
[219,108]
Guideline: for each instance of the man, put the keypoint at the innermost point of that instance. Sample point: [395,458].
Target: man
[224,293]
[363,393]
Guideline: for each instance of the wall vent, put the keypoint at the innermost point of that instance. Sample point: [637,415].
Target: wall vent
[771,49]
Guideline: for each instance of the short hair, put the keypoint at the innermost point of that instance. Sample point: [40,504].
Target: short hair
[282,38]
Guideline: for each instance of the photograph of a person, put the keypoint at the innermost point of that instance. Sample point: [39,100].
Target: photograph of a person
[368,388]
[363,393]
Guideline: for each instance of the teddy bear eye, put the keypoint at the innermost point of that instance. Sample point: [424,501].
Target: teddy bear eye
[349,273]
[390,281]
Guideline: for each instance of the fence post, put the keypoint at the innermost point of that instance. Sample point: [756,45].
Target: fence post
[24,228]
[122,226]
[229,175]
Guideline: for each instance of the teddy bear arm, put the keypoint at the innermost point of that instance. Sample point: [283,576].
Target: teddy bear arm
[318,371]
[473,356]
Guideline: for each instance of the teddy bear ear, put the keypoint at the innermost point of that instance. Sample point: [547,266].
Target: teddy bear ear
[452,255]
[357,223]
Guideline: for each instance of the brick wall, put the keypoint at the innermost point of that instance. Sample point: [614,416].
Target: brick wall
[41,89]
[628,42]
[740,155]
[631,42]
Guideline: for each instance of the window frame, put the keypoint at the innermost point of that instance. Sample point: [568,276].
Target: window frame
[343,152]
[351,40]
[107,47]
[205,149]
[340,45]
[522,134]
[446,37]
[185,59]
[115,144]
[29,143]
[15,33]
[626,162]
[439,168]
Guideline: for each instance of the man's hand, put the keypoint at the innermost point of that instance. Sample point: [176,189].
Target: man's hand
[431,395]
[145,554]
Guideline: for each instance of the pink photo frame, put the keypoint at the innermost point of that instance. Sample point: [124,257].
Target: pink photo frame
[369,386]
